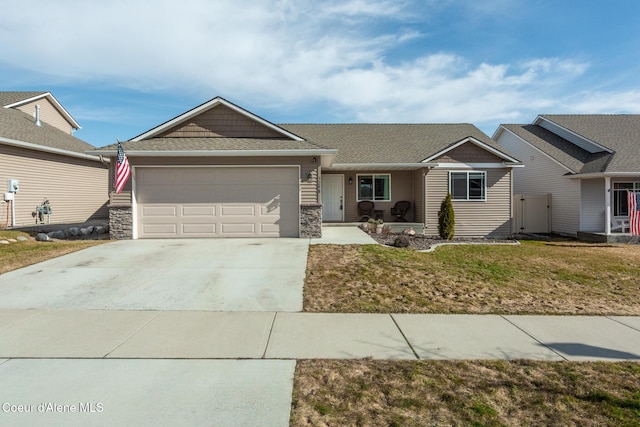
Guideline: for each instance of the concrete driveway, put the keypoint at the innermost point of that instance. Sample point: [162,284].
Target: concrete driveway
[195,274]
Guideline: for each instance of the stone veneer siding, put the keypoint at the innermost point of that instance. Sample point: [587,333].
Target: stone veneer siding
[121,223]
[310,221]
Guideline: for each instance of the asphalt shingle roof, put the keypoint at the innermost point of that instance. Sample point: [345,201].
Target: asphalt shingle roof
[8,98]
[619,133]
[388,143]
[209,144]
[16,125]
[356,143]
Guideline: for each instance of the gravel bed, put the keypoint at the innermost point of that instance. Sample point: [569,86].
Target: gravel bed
[422,242]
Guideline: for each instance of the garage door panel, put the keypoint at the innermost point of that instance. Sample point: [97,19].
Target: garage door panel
[248,229]
[222,202]
[207,211]
[151,210]
[239,210]
[198,229]
[160,229]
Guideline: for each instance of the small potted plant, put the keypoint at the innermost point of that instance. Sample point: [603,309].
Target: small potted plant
[372,223]
[379,225]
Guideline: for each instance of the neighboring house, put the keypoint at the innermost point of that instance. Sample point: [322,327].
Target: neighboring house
[220,171]
[37,148]
[586,162]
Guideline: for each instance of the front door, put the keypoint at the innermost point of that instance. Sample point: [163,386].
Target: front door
[332,197]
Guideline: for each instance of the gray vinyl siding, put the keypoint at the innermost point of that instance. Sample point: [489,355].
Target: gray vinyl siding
[77,189]
[48,114]
[490,218]
[593,205]
[542,175]
[308,188]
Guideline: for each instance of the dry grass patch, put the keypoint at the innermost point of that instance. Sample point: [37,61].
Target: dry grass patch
[21,254]
[531,278]
[465,393]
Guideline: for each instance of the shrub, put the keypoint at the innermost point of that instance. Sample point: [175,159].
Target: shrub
[446,219]
[401,242]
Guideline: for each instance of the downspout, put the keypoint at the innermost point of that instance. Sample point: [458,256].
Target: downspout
[607,204]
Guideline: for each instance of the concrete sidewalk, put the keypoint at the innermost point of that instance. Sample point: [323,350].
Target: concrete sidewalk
[131,334]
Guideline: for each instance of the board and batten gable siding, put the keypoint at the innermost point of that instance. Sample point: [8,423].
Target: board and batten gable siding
[77,189]
[48,114]
[221,121]
[490,218]
[542,175]
[593,205]
[308,188]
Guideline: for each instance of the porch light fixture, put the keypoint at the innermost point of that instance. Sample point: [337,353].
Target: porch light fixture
[350,180]
[314,160]
[310,176]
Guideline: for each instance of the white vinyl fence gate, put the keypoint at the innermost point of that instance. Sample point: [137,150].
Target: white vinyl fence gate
[532,213]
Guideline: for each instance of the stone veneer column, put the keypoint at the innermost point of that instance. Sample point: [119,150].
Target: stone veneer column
[121,222]
[310,221]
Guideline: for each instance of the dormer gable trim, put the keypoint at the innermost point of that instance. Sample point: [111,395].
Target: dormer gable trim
[472,140]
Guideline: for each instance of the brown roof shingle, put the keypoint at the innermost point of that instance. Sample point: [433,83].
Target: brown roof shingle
[619,133]
[388,143]
[19,126]
[8,98]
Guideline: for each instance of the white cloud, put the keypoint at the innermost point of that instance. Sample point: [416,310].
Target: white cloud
[296,52]
[603,102]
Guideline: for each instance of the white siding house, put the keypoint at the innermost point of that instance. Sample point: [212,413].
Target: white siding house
[586,162]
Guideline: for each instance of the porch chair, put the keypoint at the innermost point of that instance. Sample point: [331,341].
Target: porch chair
[365,210]
[400,209]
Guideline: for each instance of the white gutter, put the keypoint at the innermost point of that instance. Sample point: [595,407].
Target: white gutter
[602,175]
[45,149]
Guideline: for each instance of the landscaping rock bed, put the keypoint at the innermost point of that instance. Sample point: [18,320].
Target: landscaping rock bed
[423,242]
[93,230]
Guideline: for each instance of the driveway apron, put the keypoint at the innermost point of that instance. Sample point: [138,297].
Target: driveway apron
[196,274]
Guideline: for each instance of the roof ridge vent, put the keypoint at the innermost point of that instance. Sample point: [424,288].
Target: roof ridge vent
[38,115]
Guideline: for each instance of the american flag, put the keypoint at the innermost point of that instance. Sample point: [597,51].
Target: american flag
[122,169]
[633,199]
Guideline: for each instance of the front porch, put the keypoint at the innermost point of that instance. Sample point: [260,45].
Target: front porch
[601,237]
[395,227]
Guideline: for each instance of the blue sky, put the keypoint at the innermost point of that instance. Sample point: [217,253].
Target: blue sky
[121,67]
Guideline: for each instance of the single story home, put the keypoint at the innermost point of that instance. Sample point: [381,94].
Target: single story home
[586,163]
[39,154]
[219,170]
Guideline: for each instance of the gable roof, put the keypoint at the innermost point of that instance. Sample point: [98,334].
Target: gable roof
[10,99]
[208,106]
[18,128]
[393,143]
[601,143]
[221,128]
[16,99]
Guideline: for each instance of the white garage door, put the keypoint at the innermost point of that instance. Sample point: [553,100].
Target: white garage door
[217,202]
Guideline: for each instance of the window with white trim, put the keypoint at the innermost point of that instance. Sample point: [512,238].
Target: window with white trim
[374,187]
[620,204]
[469,185]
